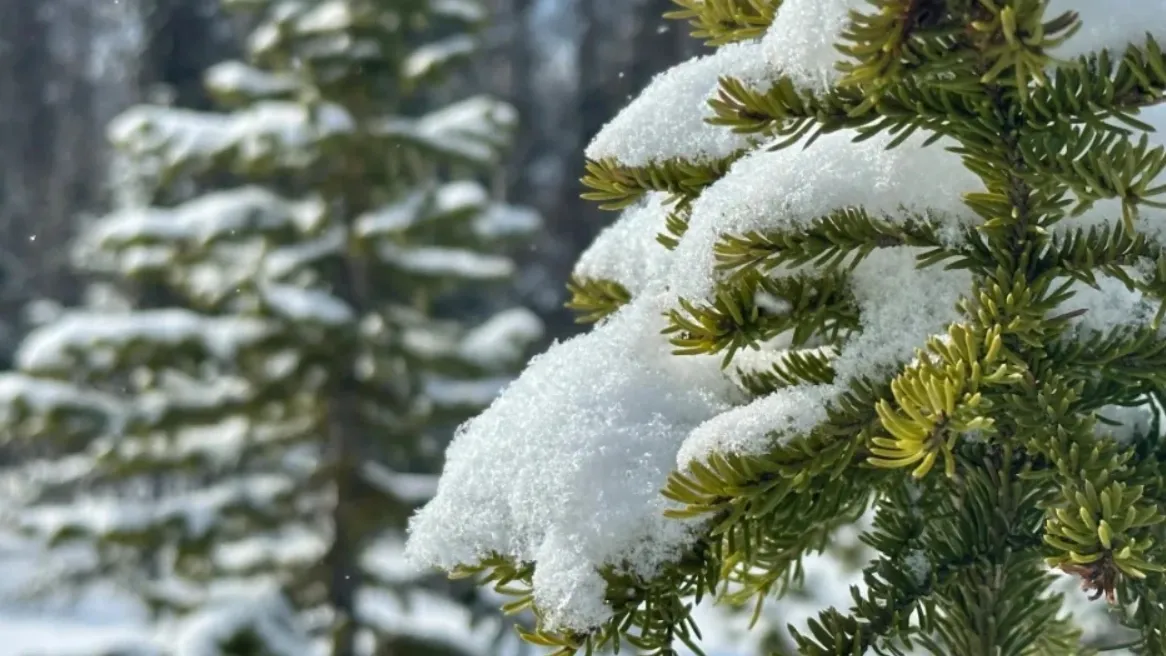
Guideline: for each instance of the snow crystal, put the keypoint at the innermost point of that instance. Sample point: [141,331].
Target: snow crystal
[503,339]
[627,251]
[300,304]
[787,189]
[446,262]
[1111,25]
[590,430]
[667,120]
[801,40]
[52,347]
[900,307]
[432,56]
[238,78]
[751,429]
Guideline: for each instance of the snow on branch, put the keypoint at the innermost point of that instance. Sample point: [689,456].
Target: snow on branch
[788,189]
[434,57]
[206,219]
[443,262]
[800,43]
[174,138]
[237,81]
[1111,25]
[627,251]
[590,430]
[93,335]
[307,305]
[196,513]
[469,11]
[667,120]
[21,394]
[474,129]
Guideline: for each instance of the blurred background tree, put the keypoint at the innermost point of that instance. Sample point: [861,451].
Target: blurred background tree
[279,335]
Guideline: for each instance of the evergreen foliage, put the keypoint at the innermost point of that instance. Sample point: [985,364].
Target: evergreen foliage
[294,322]
[931,261]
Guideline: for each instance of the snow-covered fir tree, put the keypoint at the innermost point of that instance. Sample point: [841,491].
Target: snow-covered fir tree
[240,426]
[894,259]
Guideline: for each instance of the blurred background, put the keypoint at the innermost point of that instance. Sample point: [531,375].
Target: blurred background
[163,492]
[68,67]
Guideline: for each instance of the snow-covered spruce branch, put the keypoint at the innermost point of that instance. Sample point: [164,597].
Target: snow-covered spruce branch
[883,259]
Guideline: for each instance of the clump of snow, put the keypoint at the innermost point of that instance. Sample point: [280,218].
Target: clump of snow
[590,430]
[800,43]
[1112,25]
[918,566]
[503,339]
[1132,421]
[667,120]
[1109,306]
[900,307]
[627,251]
[749,430]
[787,189]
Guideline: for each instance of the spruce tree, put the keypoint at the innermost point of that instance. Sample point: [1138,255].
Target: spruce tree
[263,395]
[902,257]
